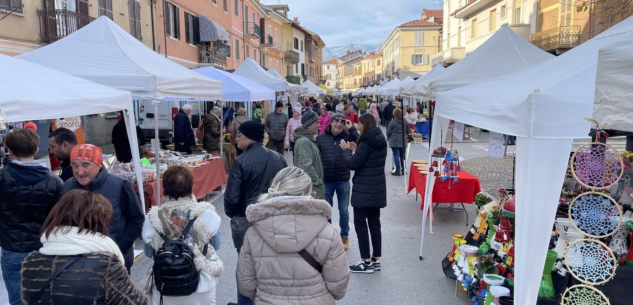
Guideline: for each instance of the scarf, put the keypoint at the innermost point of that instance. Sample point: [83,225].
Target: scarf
[73,243]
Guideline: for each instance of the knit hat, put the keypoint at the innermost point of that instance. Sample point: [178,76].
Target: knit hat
[277,105]
[31,126]
[252,130]
[338,116]
[87,152]
[309,118]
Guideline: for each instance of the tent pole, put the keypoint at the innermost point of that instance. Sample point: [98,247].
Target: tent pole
[156,149]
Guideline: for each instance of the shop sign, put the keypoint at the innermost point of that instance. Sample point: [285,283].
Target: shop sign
[72,123]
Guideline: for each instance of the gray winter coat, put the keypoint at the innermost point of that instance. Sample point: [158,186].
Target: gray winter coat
[394,132]
[276,126]
[269,269]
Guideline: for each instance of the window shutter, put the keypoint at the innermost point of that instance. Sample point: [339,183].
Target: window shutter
[102,7]
[187,28]
[413,59]
[167,18]
[131,15]
[137,14]
[176,22]
[247,53]
[82,7]
[109,9]
[196,30]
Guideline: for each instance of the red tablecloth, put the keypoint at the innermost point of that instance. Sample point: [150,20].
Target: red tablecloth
[463,191]
[206,178]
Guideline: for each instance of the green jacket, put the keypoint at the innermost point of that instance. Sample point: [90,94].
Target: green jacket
[307,158]
[362,104]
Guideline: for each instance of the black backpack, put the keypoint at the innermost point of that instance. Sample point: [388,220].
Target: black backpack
[174,271]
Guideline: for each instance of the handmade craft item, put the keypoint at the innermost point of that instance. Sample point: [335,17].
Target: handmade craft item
[584,295]
[590,261]
[593,214]
[547,285]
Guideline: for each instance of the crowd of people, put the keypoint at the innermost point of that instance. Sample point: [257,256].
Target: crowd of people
[69,238]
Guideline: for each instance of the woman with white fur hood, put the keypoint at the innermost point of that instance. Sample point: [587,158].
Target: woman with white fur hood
[292,254]
[179,206]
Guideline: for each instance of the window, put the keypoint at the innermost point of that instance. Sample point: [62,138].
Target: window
[503,11]
[301,45]
[276,35]
[225,5]
[420,59]
[245,12]
[134,12]
[214,1]
[419,38]
[303,69]
[237,49]
[473,29]
[18,3]
[105,8]
[327,68]
[270,31]
[172,20]
[493,20]
[459,37]
[246,53]
[262,59]
[255,55]
[270,62]
[288,70]
[378,64]
[600,25]
[276,65]
[297,68]
[237,14]
[189,31]
[517,12]
[296,44]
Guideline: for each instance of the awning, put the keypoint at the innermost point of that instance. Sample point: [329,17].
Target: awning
[212,31]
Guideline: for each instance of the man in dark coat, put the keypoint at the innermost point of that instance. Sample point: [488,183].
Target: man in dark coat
[276,123]
[183,134]
[127,215]
[387,112]
[61,143]
[122,143]
[28,192]
[250,176]
[336,173]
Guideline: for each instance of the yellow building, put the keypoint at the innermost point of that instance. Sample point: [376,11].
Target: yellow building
[34,23]
[408,50]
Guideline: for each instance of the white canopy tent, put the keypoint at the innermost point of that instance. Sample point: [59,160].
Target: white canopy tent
[238,89]
[392,87]
[32,92]
[614,87]
[361,90]
[503,53]
[275,74]
[252,70]
[308,84]
[544,106]
[124,63]
[435,70]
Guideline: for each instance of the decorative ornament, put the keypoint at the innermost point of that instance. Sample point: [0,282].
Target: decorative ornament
[584,295]
[595,214]
[590,261]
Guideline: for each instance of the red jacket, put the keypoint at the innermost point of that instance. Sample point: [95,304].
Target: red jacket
[353,117]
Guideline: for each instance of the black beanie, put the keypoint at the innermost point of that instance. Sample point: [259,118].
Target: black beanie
[279,104]
[252,130]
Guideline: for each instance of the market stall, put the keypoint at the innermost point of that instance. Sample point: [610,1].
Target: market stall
[327,90]
[557,94]
[392,87]
[124,63]
[252,70]
[309,85]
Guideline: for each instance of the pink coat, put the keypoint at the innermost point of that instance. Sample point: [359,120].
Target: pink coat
[324,120]
[293,124]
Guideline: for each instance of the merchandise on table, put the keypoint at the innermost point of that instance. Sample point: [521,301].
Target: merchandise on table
[148,172]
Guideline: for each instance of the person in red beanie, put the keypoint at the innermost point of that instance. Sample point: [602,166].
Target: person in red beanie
[127,216]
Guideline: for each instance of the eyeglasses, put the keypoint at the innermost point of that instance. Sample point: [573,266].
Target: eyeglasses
[339,120]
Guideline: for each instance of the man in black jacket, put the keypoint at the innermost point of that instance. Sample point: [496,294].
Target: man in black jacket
[183,134]
[387,112]
[127,215]
[250,177]
[336,173]
[122,143]
[61,142]
[28,192]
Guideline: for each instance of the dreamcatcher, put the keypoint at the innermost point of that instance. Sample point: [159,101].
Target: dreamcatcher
[596,166]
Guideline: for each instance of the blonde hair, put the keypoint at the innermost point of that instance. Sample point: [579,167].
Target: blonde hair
[290,181]
[241,111]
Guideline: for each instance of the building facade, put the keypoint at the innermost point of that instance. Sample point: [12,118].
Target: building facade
[314,56]
[330,72]
[372,69]
[408,49]
[35,23]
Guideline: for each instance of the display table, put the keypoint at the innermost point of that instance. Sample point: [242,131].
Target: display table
[423,129]
[206,178]
[463,191]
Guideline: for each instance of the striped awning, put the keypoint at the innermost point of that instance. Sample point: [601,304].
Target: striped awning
[212,31]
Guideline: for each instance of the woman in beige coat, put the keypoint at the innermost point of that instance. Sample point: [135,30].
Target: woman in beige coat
[286,221]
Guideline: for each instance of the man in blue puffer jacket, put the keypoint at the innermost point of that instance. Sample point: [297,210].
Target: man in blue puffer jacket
[127,216]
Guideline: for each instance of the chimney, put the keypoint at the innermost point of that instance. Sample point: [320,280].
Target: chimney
[296,20]
[372,53]
[347,52]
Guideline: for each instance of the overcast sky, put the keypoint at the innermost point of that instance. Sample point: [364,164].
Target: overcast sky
[340,22]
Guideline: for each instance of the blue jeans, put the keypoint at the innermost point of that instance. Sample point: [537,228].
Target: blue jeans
[362,112]
[398,158]
[241,299]
[11,265]
[509,139]
[342,190]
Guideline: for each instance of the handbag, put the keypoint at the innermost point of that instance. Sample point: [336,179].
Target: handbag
[239,224]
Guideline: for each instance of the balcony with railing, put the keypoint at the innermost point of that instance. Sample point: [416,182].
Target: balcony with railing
[57,24]
[267,41]
[208,56]
[277,46]
[291,57]
[557,39]
[253,30]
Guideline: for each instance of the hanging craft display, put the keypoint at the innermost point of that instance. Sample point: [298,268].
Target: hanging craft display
[595,214]
[597,165]
[590,261]
[584,295]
